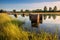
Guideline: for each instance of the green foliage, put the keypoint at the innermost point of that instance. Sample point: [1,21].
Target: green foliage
[1,11]
[14,10]
[21,11]
[55,8]
[45,8]
[27,11]
[50,9]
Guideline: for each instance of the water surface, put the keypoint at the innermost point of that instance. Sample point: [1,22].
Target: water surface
[48,25]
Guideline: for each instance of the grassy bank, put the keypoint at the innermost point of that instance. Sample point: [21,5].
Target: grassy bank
[11,29]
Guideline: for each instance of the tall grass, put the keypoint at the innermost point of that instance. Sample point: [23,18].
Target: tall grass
[10,29]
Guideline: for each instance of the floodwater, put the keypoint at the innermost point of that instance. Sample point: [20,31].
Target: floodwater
[48,25]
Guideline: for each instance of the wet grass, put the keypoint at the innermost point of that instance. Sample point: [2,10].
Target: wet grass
[17,22]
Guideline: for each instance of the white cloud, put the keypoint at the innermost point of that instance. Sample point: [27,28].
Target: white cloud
[30,6]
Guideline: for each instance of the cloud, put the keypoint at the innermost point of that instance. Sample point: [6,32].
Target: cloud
[30,6]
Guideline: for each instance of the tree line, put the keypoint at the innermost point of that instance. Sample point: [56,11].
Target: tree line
[37,10]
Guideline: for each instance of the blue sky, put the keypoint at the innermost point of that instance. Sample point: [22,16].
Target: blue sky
[24,1]
[26,4]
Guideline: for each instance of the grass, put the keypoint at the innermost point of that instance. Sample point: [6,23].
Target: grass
[10,29]
[17,22]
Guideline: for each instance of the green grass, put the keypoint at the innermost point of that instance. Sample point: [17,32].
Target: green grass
[17,22]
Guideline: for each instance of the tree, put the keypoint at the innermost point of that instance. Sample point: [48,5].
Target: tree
[21,10]
[1,11]
[14,10]
[50,9]
[38,10]
[45,8]
[55,8]
[27,11]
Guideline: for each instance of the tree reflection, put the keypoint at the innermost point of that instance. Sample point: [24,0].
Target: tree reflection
[49,16]
[45,16]
[54,16]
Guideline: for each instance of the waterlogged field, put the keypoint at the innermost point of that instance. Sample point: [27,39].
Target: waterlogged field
[11,29]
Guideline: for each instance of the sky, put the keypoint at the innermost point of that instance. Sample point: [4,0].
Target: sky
[28,4]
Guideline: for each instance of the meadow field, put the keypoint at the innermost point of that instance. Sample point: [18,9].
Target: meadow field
[11,29]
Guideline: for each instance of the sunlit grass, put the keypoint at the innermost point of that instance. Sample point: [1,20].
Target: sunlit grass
[10,29]
[4,18]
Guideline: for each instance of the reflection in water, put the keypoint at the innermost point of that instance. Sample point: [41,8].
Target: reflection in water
[15,15]
[23,15]
[49,16]
[45,16]
[54,16]
[48,25]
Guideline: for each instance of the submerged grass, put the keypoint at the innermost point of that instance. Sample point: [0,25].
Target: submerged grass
[17,22]
[11,30]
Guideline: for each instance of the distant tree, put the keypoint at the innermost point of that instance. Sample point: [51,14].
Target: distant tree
[37,10]
[50,9]
[27,11]
[21,10]
[1,11]
[40,9]
[14,10]
[55,8]
[33,11]
[45,8]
